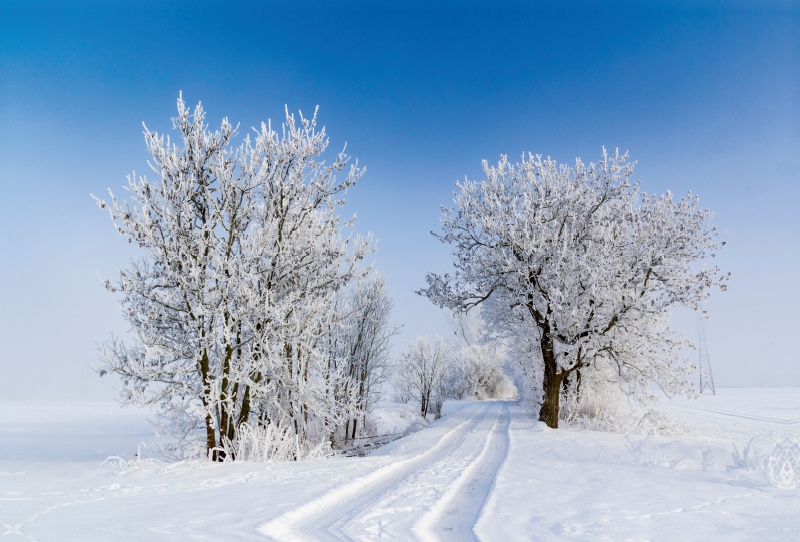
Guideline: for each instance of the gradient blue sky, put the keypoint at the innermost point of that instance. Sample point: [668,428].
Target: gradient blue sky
[705,97]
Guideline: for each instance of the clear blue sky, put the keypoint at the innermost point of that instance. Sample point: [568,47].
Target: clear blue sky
[705,97]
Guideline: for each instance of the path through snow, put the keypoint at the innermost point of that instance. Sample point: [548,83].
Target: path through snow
[438,492]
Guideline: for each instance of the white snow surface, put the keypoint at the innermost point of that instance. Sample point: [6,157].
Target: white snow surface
[485,471]
[394,418]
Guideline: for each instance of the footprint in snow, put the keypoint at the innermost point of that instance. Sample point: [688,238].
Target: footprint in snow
[572,528]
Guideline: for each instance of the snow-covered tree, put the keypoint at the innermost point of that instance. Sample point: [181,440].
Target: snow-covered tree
[575,267]
[362,345]
[423,371]
[232,302]
[476,371]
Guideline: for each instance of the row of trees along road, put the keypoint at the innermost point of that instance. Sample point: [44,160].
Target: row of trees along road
[251,310]
[575,271]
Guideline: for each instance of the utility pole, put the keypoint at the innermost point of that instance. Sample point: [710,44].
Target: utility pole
[706,378]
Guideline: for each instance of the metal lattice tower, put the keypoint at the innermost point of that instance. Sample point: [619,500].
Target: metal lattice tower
[706,378]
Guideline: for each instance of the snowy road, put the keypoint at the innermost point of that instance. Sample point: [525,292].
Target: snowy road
[485,471]
[439,492]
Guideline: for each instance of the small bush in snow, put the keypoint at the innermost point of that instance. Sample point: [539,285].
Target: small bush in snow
[599,405]
[781,468]
[274,442]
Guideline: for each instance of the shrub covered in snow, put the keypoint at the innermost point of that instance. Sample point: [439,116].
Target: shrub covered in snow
[600,405]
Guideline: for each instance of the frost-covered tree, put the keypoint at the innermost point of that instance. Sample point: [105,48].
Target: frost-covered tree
[576,267]
[362,345]
[423,371]
[233,300]
[476,371]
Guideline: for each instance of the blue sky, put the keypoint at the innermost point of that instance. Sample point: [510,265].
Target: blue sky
[705,97]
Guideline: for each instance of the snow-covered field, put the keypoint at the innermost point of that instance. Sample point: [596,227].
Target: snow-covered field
[484,471]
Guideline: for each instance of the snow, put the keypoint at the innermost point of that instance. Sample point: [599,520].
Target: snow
[484,471]
[391,418]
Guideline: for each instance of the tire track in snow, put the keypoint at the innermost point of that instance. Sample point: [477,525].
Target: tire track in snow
[320,519]
[455,515]
[392,513]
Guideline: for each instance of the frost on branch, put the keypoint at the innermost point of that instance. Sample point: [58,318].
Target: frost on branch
[241,329]
[576,270]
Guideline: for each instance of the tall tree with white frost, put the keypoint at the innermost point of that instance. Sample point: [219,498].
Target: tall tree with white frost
[579,269]
[362,344]
[230,305]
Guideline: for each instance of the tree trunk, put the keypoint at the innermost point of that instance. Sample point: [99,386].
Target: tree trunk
[225,423]
[211,437]
[551,385]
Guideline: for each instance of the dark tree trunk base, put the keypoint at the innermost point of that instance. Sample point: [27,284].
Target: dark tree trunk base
[553,379]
